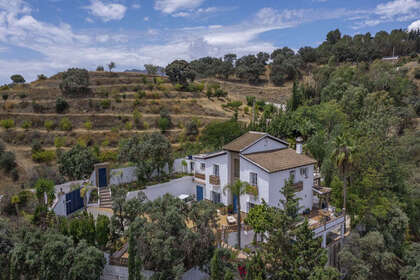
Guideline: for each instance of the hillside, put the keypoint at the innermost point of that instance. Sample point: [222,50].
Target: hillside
[105,115]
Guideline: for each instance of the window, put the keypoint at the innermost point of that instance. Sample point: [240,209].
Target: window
[215,197]
[203,166]
[216,170]
[253,180]
[292,174]
[192,166]
[236,168]
[304,172]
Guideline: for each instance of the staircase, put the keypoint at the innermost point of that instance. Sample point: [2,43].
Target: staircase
[105,200]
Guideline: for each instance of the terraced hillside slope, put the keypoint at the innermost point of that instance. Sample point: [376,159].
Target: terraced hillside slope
[118,105]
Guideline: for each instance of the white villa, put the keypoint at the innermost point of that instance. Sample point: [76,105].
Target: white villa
[265,162]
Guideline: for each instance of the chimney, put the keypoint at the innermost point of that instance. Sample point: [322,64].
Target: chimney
[299,142]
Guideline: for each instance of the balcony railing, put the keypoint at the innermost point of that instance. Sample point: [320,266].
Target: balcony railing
[328,225]
[298,186]
[214,180]
[200,176]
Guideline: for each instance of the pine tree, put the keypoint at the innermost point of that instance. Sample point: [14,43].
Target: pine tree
[309,254]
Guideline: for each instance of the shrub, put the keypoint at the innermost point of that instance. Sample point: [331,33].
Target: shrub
[43,156]
[59,141]
[49,125]
[36,146]
[250,100]
[22,95]
[61,105]
[246,110]
[37,108]
[17,79]
[108,156]
[7,124]
[75,81]
[179,87]
[105,104]
[234,105]
[195,87]
[417,73]
[65,124]
[41,77]
[5,96]
[14,174]
[141,94]
[163,124]
[220,93]
[7,161]
[260,103]
[26,124]
[88,125]
[191,128]
[137,119]
[100,68]
[209,93]
[128,125]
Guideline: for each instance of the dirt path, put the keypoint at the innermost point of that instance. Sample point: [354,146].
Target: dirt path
[110,115]
[93,131]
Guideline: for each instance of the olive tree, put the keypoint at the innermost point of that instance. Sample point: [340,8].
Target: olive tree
[75,81]
[77,163]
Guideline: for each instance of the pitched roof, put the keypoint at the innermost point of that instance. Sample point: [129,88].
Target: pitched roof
[244,141]
[283,159]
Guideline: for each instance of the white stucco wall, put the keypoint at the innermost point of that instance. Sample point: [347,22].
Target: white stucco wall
[278,179]
[60,206]
[184,185]
[263,182]
[222,161]
[264,144]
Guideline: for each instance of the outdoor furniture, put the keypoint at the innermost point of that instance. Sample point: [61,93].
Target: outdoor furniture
[231,220]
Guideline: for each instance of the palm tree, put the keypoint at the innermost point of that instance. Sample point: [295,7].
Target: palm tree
[343,154]
[238,188]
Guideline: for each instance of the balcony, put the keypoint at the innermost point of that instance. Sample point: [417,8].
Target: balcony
[214,180]
[252,190]
[298,186]
[200,176]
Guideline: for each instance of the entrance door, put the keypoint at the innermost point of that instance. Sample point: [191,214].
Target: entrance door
[102,177]
[235,204]
[199,193]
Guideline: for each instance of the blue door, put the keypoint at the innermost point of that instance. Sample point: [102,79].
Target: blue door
[199,193]
[102,177]
[74,201]
[235,204]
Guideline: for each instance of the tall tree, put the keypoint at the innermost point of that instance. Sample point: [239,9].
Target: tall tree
[343,154]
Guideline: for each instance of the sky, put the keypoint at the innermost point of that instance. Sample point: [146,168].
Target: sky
[48,36]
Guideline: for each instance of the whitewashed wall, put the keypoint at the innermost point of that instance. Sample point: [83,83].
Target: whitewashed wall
[60,206]
[263,180]
[277,181]
[184,185]
[222,161]
[264,144]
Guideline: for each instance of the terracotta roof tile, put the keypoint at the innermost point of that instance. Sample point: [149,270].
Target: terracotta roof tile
[244,141]
[278,160]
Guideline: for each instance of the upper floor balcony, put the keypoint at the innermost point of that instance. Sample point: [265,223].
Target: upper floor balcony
[214,180]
